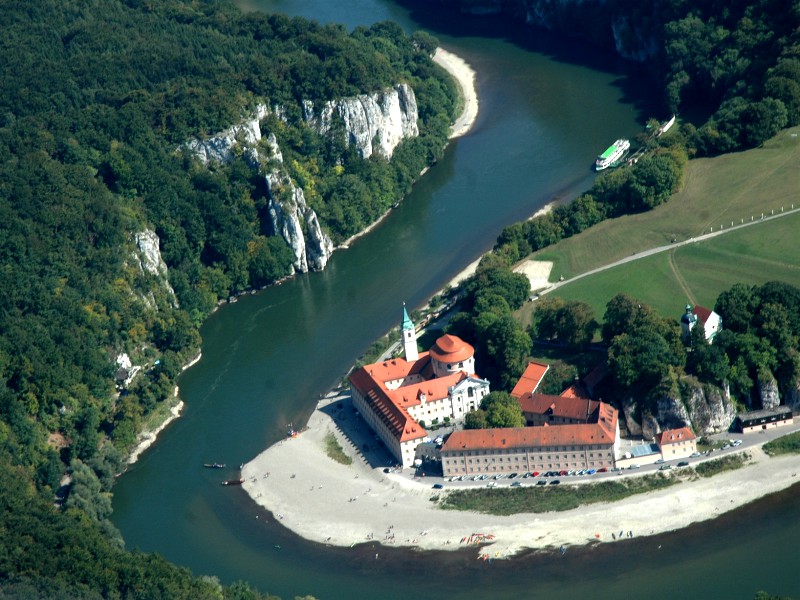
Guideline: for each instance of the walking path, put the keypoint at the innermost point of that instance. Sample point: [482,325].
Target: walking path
[659,249]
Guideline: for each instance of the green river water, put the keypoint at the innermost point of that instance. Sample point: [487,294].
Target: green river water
[546,109]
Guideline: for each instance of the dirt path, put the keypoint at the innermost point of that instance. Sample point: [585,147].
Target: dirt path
[659,249]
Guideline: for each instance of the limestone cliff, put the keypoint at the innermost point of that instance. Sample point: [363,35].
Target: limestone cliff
[293,219]
[680,402]
[147,258]
[374,123]
[768,390]
[221,147]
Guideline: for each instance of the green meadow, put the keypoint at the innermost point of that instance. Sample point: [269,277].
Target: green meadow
[716,192]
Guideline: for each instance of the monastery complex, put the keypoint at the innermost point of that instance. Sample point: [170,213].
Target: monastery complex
[567,432]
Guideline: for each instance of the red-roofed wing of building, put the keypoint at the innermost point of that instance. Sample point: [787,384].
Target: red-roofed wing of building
[702,313]
[677,443]
[541,409]
[395,418]
[530,380]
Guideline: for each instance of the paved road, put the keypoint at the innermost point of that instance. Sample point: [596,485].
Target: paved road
[657,250]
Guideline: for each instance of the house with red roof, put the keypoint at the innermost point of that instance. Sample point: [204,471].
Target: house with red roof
[710,321]
[395,395]
[676,443]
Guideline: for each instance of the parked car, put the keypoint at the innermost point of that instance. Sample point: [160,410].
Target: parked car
[554,482]
[696,454]
[516,484]
[438,486]
[665,468]
[541,482]
[683,463]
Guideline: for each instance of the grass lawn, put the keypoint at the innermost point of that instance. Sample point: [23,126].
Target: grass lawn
[716,191]
[536,499]
[697,273]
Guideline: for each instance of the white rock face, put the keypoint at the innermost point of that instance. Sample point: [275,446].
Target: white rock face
[288,212]
[374,123]
[148,258]
[124,361]
[768,391]
[219,148]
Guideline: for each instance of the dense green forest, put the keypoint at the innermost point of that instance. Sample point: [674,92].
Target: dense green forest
[96,102]
[735,60]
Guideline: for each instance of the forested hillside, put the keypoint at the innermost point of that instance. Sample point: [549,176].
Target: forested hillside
[96,102]
[738,61]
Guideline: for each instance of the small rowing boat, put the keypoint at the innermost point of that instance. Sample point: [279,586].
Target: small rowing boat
[233,482]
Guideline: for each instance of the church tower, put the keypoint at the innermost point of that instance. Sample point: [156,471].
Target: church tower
[409,337]
[688,320]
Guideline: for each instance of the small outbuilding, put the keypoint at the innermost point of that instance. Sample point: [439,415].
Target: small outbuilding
[768,418]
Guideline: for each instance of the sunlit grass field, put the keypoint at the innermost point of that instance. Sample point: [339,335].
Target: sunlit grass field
[716,192]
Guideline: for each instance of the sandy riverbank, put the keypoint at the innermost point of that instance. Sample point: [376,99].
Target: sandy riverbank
[465,77]
[330,503]
[147,438]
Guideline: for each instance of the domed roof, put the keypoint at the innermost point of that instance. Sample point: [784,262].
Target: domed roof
[450,349]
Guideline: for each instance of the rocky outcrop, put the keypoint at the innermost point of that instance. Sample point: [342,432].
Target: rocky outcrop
[147,255]
[710,407]
[683,402]
[629,410]
[292,218]
[290,215]
[671,413]
[793,396]
[374,123]
[650,426]
[221,148]
[768,390]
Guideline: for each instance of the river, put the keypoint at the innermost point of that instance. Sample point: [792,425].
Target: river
[547,107]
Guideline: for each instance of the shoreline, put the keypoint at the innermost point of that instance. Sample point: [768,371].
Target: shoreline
[329,503]
[465,78]
[147,437]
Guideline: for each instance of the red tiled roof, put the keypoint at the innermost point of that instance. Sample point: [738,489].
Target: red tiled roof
[596,375]
[674,436]
[530,379]
[702,313]
[577,409]
[401,425]
[450,349]
[576,390]
[529,437]
[434,389]
[397,368]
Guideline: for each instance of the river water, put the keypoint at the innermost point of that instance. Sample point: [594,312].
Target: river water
[546,109]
